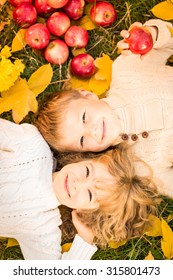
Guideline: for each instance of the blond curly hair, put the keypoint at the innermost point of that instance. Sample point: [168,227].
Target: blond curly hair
[131,198]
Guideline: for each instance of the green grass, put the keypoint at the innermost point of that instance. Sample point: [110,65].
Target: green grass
[102,40]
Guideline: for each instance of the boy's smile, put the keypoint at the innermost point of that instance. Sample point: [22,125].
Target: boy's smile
[90,124]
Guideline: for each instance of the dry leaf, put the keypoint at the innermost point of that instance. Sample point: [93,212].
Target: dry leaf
[163,10]
[19,41]
[167,240]
[12,242]
[78,83]
[2,2]
[87,23]
[104,66]
[98,86]
[66,247]
[155,229]
[40,79]
[20,99]
[115,245]
[78,51]
[149,256]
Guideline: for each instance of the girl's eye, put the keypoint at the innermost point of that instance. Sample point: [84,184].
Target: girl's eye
[87,171]
[83,117]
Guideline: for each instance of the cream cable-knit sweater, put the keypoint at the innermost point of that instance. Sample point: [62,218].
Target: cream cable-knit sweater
[141,94]
[28,205]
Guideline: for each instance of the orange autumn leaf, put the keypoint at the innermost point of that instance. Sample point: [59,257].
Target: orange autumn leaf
[66,247]
[11,242]
[78,83]
[19,42]
[163,10]
[115,245]
[167,240]
[98,86]
[155,228]
[104,66]
[21,97]
[40,79]
[87,23]
[149,257]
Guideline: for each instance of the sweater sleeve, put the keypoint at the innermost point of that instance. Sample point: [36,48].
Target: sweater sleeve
[164,37]
[80,250]
[43,242]
[12,134]
[36,250]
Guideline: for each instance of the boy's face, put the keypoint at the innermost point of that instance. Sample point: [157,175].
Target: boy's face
[74,184]
[90,124]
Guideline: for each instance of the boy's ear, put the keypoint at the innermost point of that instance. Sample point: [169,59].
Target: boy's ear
[88,94]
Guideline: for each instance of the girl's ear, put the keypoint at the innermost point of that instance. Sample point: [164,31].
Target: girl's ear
[88,94]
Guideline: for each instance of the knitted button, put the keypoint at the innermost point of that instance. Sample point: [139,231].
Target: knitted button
[134,137]
[124,137]
[145,134]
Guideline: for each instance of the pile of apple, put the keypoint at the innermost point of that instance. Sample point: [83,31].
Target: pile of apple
[57,34]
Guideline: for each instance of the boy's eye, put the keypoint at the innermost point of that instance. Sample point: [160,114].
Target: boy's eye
[90,195]
[83,117]
[81,141]
[87,171]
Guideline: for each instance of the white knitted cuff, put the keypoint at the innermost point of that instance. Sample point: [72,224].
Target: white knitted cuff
[164,33]
[80,250]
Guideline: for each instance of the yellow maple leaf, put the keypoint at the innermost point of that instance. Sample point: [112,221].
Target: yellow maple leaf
[66,247]
[149,256]
[163,10]
[2,2]
[19,42]
[155,228]
[167,240]
[98,86]
[78,51]
[12,242]
[104,68]
[87,23]
[20,99]
[40,79]
[78,83]
[115,245]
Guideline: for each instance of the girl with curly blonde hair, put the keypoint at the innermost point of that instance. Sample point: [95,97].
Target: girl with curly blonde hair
[128,198]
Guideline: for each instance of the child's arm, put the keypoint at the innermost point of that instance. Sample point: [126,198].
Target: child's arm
[161,33]
[44,241]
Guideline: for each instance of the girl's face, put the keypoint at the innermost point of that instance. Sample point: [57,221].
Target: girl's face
[75,184]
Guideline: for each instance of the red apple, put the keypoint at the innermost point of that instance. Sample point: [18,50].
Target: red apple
[103,14]
[140,40]
[74,9]
[37,36]
[15,3]
[58,23]
[25,15]
[76,36]
[57,52]
[57,3]
[43,8]
[91,1]
[82,65]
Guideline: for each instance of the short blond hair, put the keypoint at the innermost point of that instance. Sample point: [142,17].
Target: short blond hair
[49,118]
[131,198]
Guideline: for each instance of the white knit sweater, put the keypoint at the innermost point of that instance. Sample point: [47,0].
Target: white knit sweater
[28,205]
[141,94]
